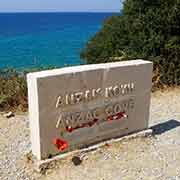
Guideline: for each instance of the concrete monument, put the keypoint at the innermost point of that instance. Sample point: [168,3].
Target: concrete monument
[73,107]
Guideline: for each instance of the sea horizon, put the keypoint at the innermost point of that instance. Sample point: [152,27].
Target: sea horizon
[36,39]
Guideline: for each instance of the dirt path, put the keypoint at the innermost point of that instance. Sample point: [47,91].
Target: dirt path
[152,158]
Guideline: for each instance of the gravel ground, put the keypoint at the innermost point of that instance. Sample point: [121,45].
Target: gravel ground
[152,158]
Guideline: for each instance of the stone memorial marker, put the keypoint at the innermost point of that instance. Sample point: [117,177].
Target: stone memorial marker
[73,107]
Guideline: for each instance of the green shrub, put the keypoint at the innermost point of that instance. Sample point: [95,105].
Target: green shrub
[147,29]
[13,88]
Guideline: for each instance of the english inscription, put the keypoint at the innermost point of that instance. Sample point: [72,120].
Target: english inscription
[69,121]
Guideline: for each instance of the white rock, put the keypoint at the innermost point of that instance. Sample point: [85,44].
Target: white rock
[9,114]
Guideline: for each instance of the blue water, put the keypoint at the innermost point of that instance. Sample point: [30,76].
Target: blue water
[42,39]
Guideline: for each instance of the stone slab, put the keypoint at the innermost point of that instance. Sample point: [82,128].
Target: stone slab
[73,107]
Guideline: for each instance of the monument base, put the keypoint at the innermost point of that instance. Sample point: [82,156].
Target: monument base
[42,165]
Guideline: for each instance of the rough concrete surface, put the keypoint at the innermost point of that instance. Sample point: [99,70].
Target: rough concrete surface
[152,158]
[93,92]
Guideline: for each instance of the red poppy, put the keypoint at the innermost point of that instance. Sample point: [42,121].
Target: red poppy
[60,144]
[110,118]
[120,115]
[69,129]
[90,124]
[95,120]
[117,116]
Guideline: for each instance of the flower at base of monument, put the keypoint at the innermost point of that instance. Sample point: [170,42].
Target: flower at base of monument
[88,124]
[95,120]
[69,129]
[117,116]
[110,118]
[60,144]
[120,115]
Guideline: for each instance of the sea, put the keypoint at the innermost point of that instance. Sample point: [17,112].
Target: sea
[31,40]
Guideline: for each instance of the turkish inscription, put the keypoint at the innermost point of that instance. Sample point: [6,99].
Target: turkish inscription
[68,122]
[88,95]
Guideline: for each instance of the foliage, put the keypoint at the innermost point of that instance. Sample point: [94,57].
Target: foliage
[147,29]
[13,88]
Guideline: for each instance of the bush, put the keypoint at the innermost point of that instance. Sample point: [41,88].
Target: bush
[147,29]
[13,90]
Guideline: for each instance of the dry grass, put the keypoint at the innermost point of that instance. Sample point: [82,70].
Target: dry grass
[13,89]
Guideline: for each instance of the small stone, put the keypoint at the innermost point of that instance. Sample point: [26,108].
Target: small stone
[9,114]
[29,157]
[76,160]
[108,145]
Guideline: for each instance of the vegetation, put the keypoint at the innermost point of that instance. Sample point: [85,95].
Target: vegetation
[147,29]
[13,89]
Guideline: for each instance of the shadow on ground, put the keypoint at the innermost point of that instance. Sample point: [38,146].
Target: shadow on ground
[165,126]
